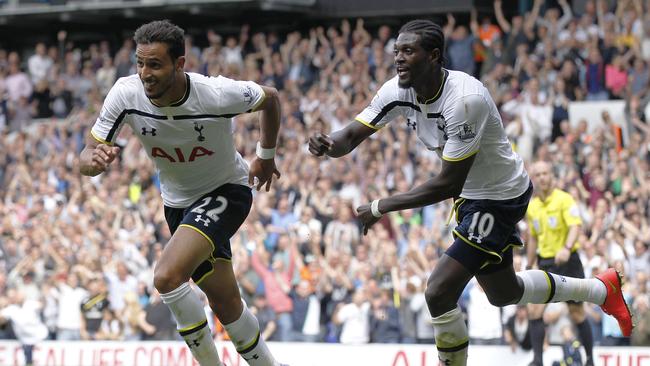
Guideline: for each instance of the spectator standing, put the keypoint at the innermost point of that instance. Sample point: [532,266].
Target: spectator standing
[354,319]
[266,317]
[25,318]
[156,320]
[306,313]
[120,283]
[384,320]
[92,309]
[277,285]
[70,297]
[39,63]
[517,330]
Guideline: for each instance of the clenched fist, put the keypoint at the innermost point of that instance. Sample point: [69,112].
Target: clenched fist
[100,158]
[320,144]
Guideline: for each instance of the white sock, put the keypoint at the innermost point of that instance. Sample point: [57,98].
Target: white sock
[541,287]
[187,308]
[452,338]
[245,334]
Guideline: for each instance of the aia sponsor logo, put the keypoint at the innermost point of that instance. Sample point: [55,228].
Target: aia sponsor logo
[177,155]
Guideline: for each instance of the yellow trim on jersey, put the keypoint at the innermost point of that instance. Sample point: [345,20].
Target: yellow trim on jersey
[459,159]
[442,84]
[478,247]
[259,102]
[204,235]
[255,339]
[99,139]
[367,124]
[223,260]
[204,276]
[190,327]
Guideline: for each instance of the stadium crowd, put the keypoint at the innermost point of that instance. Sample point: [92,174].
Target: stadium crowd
[80,252]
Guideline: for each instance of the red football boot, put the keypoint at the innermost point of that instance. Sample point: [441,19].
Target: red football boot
[614,304]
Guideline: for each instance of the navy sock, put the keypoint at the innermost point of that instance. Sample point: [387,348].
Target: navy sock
[537,334]
[587,339]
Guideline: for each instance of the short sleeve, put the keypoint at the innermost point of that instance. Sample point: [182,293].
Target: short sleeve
[384,107]
[236,97]
[112,116]
[465,126]
[570,211]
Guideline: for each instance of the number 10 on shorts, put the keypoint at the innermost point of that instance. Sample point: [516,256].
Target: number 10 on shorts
[484,222]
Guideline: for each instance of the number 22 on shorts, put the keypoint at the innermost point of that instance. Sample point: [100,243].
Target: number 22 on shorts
[213,213]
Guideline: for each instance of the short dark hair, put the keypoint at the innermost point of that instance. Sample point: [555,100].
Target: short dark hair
[162,31]
[431,34]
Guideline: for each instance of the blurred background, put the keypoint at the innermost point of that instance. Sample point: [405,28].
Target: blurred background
[570,79]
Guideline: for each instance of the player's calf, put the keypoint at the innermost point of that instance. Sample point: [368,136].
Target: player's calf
[245,335]
[187,308]
[541,287]
[452,338]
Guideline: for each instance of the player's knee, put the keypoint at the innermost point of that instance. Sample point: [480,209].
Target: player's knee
[439,298]
[166,280]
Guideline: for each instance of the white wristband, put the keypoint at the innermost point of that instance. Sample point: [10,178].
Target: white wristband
[263,153]
[374,209]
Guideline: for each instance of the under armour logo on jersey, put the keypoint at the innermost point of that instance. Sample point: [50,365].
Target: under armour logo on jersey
[253,357]
[145,131]
[445,362]
[199,128]
[205,221]
[193,343]
[413,124]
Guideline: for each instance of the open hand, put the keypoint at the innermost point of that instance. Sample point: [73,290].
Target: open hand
[366,217]
[263,170]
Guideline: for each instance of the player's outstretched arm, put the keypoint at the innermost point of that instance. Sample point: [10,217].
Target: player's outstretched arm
[263,167]
[269,118]
[96,157]
[340,142]
[448,184]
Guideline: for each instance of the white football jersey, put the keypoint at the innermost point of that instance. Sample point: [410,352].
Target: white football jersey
[190,141]
[460,121]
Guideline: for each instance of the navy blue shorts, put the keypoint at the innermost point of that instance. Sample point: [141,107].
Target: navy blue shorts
[486,232]
[217,216]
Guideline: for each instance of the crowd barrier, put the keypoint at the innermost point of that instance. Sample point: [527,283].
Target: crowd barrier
[295,354]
